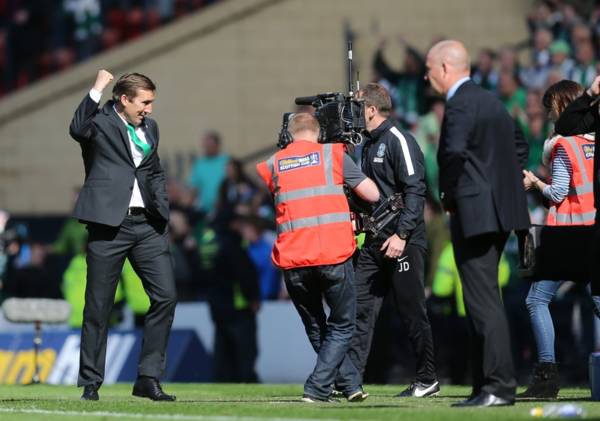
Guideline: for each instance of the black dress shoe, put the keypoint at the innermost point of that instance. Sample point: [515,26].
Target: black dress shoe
[472,396]
[484,399]
[149,387]
[90,393]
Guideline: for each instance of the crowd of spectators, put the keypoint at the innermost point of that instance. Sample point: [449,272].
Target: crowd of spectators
[563,43]
[222,226]
[41,37]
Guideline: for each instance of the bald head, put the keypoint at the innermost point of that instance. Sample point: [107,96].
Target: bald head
[447,62]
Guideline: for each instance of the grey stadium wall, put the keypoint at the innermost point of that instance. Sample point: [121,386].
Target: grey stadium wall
[234,67]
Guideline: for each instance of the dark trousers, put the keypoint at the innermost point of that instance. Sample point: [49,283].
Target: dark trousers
[329,336]
[595,261]
[145,243]
[376,275]
[477,260]
[235,350]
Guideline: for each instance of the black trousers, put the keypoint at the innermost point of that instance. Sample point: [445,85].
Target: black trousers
[595,260]
[145,242]
[235,350]
[329,336]
[477,260]
[376,275]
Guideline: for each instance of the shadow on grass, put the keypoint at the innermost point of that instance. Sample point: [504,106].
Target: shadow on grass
[324,405]
[30,400]
[290,400]
[559,399]
[363,406]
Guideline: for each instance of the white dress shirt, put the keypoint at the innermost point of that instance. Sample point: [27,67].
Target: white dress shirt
[455,87]
[136,195]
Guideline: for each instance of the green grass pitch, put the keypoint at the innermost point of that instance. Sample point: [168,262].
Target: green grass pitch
[208,402]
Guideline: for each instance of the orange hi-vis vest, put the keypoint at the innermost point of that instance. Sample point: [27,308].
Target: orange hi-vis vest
[311,211]
[578,207]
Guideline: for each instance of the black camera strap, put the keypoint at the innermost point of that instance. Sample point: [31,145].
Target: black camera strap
[382,215]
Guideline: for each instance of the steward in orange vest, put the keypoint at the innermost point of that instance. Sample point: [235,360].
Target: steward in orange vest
[311,210]
[578,207]
[314,244]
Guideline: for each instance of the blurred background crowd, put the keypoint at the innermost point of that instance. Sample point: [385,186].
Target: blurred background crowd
[222,217]
[38,38]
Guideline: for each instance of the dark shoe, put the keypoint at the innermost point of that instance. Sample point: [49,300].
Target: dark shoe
[313,399]
[420,390]
[544,384]
[472,396]
[358,395]
[484,399]
[149,387]
[90,393]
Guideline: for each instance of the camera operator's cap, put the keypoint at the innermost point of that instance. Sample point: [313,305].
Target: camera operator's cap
[560,46]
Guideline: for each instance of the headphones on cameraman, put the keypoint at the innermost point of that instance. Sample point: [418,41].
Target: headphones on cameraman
[285,137]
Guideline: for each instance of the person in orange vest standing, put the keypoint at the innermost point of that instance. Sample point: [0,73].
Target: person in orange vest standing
[571,196]
[314,247]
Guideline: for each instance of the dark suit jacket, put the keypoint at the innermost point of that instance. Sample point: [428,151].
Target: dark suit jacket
[109,167]
[481,156]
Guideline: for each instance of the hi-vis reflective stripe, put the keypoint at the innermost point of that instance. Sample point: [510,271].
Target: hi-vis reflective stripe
[312,221]
[329,189]
[580,158]
[409,165]
[588,185]
[308,192]
[328,164]
[274,176]
[581,190]
[573,219]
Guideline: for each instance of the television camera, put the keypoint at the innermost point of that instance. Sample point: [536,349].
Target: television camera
[341,116]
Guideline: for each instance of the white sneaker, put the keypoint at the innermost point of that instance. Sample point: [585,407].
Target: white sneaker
[357,396]
[312,399]
[420,390]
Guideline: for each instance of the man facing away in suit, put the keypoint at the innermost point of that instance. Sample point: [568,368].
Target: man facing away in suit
[124,204]
[481,154]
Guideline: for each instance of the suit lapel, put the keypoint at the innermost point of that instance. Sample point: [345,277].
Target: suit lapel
[151,139]
[118,126]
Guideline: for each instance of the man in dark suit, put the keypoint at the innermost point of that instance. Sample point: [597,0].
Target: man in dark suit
[125,207]
[480,158]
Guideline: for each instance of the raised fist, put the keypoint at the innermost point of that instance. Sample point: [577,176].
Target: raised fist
[102,80]
[594,89]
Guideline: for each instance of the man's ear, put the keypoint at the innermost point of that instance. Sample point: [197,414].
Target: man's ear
[444,68]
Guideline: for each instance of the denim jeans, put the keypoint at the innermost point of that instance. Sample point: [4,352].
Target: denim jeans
[329,336]
[538,299]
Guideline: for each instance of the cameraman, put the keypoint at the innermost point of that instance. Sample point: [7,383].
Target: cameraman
[314,246]
[395,259]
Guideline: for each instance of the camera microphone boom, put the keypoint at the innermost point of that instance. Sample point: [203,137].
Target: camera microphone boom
[341,117]
[306,100]
[313,100]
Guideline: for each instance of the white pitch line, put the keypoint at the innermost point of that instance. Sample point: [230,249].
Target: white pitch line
[178,417]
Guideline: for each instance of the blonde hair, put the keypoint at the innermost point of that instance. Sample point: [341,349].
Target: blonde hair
[303,122]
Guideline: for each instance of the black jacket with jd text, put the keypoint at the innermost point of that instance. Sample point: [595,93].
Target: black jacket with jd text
[393,160]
